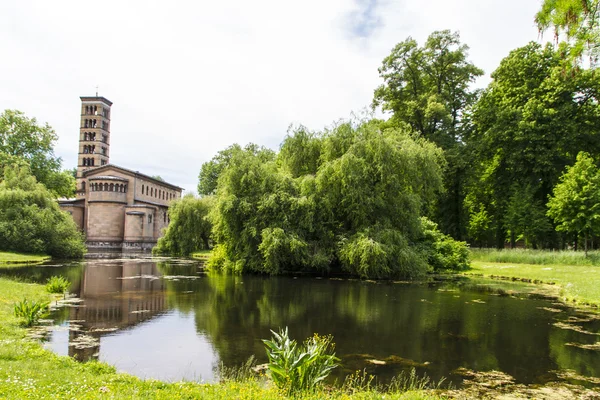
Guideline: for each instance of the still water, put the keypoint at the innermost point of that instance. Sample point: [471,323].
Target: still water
[168,320]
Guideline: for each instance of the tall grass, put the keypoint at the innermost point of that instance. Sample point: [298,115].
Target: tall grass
[540,257]
[295,368]
[361,382]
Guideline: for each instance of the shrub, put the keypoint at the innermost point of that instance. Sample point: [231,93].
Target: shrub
[57,284]
[30,311]
[296,368]
[442,251]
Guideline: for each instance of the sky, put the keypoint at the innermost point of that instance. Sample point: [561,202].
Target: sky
[190,78]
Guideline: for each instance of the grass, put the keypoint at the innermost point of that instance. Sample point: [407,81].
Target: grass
[9,258]
[578,279]
[27,371]
[540,257]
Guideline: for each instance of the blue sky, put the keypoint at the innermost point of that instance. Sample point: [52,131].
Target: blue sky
[189,78]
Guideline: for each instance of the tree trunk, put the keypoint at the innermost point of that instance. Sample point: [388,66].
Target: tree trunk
[585,240]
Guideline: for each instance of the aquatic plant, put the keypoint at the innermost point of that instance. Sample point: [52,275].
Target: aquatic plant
[295,368]
[57,284]
[30,311]
[362,382]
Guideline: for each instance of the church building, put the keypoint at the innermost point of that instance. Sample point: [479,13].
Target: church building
[116,208]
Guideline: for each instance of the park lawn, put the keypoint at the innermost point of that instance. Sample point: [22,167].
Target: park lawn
[28,371]
[9,258]
[579,283]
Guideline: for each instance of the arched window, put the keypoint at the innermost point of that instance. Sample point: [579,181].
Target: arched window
[142,189]
[111,187]
[151,192]
[82,185]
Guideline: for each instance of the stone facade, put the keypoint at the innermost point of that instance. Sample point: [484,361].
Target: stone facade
[115,207]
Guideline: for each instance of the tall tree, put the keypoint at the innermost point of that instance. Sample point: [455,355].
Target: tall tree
[529,124]
[428,87]
[24,142]
[578,20]
[31,221]
[575,202]
[211,170]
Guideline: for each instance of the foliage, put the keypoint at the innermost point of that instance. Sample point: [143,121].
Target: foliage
[528,125]
[30,311]
[24,142]
[189,228]
[443,252]
[578,20]
[296,368]
[428,88]
[355,209]
[57,284]
[211,170]
[360,381]
[31,221]
[575,203]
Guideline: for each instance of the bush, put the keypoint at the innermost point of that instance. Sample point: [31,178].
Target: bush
[443,252]
[296,368]
[57,284]
[31,220]
[30,311]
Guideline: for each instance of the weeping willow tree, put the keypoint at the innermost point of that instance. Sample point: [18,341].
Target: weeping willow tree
[343,200]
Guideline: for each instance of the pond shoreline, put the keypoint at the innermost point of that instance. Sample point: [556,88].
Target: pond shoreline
[24,359]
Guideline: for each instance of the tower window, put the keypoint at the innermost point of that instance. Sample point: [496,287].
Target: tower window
[149,218]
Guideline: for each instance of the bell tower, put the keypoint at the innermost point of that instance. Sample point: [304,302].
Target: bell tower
[94,137]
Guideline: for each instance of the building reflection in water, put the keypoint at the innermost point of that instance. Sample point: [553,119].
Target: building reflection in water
[116,296]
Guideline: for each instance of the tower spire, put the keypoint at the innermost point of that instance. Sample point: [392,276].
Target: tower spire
[96,90]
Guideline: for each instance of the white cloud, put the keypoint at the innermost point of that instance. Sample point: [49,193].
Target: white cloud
[189,78]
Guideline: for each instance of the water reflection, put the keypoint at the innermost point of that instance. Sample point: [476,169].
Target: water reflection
[167,320]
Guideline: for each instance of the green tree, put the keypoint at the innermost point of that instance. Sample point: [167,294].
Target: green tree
[24,142]
[31,221]
[189,229]
[578,20]
[211,170]
[575,202]
[356,209]
[428,88]
[528,125]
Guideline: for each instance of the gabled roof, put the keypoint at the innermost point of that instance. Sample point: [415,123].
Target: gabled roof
[136,174]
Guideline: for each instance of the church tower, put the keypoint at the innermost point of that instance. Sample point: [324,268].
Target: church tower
[94,137]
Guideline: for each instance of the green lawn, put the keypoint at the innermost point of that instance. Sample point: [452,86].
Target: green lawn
[27,371]
[580,283]
[9,258]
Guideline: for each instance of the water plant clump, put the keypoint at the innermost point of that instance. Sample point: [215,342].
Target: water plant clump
[30,311]
[295,368]
[58,284]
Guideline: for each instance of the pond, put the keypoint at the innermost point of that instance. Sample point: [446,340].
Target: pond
[167,319]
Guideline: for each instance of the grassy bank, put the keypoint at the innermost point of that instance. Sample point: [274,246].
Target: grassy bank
[579,283]
[29,371]
[539,257]
[9,258]
[202,254]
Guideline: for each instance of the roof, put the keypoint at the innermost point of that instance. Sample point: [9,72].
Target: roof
[133,173]
[96,98]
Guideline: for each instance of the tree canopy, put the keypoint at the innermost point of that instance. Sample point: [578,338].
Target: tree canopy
[529,124]
[575,202]
[352,206]
[189,229]
[24,142]
[578,20]
[31,220]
